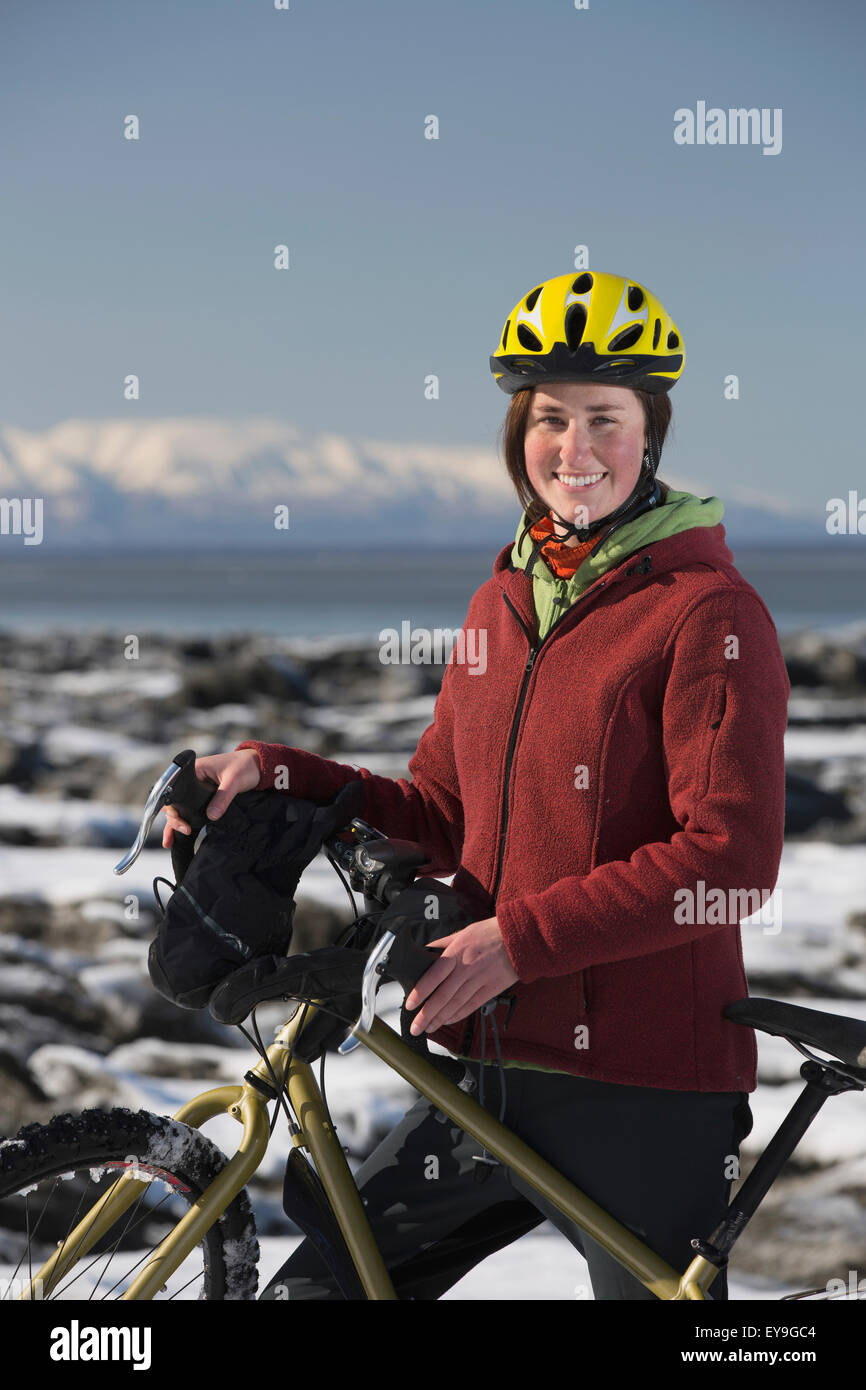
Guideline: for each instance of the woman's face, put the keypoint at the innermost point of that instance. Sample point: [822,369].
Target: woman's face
[584,445]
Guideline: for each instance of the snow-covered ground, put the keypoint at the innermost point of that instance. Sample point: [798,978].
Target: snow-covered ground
[81,1016]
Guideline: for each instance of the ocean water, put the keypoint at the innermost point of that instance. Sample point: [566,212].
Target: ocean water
[352,593]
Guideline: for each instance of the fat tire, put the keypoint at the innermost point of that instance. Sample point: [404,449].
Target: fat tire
[38,1151]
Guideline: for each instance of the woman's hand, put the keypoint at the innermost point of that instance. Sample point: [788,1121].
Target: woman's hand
[473,968]
[231,773]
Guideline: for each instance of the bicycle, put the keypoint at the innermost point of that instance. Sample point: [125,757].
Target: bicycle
[124,1158]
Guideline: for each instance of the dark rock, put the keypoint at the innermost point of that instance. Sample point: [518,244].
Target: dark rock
[815,660]
[23,1028]
[806,805]
[243,681]
[21,763]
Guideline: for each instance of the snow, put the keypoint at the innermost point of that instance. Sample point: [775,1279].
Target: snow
[71,875]
[67,742]
[829,706]
[68,875]
[837,1134]
[60,816]
[816,745]
[559,1272]
[366,721]
[820,887]
[129,678]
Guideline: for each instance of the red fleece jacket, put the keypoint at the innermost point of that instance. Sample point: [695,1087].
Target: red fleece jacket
[588,789]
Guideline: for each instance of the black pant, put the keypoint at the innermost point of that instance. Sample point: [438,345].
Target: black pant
[660,1161]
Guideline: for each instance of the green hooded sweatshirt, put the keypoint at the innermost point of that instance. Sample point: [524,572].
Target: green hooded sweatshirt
[680,511]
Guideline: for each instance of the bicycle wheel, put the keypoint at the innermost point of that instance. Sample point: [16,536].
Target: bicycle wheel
[51,1175]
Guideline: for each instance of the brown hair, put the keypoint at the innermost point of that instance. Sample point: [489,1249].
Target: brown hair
[656,407]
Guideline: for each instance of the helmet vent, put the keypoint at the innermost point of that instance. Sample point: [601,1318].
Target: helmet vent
[583,284]
[575,323]
[527,338]
[657,333]
[673,340]
[532,299]
[626,339]
[634,298]
[505,333]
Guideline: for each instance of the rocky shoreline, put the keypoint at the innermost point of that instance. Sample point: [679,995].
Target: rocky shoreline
[84,730]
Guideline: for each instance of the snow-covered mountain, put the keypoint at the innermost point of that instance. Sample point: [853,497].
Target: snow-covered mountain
[212,482]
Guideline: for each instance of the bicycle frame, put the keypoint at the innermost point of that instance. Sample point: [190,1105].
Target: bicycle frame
[248,1105]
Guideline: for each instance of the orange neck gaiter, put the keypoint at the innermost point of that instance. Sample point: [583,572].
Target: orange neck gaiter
[562,559]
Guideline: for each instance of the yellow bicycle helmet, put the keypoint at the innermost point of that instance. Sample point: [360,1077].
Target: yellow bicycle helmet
[589,326]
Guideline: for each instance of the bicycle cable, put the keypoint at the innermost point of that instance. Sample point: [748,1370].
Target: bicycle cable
[160,878]
[486,1010]
[257,1043]
[258,1046]
[339,872]
[280,1090]
[322,1089]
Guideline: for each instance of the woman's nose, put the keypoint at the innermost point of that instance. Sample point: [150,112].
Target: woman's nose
[574,446]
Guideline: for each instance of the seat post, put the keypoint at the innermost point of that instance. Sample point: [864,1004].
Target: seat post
[821,1083]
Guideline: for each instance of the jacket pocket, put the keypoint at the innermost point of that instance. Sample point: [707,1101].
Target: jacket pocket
[719,703]
[582,991]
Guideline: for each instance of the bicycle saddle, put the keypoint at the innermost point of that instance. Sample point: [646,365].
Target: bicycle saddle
[843,1038]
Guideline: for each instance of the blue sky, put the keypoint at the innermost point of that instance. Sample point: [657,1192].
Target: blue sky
[306,126]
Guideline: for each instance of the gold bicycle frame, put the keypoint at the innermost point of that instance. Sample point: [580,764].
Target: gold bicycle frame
[248,1106]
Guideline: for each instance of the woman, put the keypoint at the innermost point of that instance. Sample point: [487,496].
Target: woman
[617,768]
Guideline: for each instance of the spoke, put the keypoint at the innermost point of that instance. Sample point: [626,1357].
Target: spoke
[144,1257]
[27,1226]
[60,1287]
[130,1226]
[62,1244]
[43,1228]
[186,1285]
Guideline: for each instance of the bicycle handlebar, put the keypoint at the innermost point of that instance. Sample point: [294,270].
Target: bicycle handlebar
[380,873]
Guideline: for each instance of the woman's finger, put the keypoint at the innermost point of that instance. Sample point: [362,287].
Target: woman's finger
[438,1005]
[430,980]
[222,797]
[464,1005]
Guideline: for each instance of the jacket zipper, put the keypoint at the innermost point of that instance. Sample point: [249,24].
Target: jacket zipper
[509,756]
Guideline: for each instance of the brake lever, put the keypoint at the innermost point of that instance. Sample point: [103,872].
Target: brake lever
[376,962]
[161,794]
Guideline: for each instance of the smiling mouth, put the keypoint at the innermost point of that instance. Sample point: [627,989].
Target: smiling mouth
[576,482]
